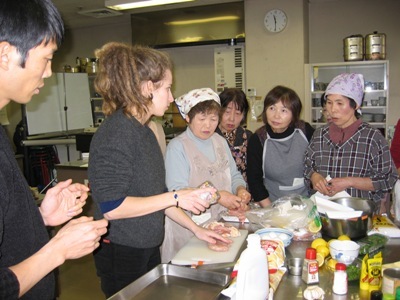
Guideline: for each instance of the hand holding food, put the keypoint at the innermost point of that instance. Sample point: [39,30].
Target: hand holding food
[193,199]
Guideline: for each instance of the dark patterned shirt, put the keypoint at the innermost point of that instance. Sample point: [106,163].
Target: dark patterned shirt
[237,141]
[364,154]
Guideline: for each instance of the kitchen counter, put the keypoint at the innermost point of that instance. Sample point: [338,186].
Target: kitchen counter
[292,286]
[76,170]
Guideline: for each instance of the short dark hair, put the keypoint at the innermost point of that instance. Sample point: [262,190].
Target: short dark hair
[288,97]
[206,107]
[237,96]
[25,24]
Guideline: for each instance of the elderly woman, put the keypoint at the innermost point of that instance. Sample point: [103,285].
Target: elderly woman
[234,110]
[353,154]
[276,150]
[198,155]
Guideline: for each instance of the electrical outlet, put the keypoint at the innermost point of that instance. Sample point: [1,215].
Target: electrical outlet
[251,92]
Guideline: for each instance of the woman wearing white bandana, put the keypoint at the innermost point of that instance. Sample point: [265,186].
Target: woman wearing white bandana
[355,155]
[197,155]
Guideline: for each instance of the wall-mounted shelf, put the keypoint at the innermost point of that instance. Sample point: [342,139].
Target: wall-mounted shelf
[376,95]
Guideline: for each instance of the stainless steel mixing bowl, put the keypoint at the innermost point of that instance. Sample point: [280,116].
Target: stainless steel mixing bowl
[355,227]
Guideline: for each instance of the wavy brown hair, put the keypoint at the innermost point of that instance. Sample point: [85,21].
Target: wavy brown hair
[123,69]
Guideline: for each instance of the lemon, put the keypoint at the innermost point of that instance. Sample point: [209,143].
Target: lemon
[331,264]
[343,237]
[320,259]
[330,241]
[324,250]
[313,227]
[318,242]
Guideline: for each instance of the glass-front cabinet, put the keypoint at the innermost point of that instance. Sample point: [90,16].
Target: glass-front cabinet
[376,97]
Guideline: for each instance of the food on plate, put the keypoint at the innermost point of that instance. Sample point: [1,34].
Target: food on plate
[225,230]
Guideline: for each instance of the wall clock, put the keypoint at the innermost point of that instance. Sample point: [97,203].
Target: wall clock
[275,20]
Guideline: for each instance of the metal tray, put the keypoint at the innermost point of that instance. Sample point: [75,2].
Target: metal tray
[168,281]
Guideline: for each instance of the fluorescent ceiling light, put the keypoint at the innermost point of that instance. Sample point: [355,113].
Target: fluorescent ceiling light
[204,20]
[130,4]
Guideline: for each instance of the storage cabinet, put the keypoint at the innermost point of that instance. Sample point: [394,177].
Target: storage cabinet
[376,96]
[96,102]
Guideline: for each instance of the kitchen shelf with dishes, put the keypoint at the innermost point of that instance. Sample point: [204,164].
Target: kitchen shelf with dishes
[96,102]
[376,96]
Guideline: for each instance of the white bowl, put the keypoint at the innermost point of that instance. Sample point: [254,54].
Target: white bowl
[344,251]
[276,233]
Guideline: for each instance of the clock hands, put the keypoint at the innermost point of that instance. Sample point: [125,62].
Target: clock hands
[275,22]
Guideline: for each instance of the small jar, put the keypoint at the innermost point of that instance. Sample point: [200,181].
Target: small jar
[340,279]
[376,295]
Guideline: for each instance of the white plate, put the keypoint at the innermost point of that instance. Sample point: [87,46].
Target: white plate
[232,219]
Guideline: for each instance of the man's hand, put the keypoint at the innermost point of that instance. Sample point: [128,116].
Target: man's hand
[63,202]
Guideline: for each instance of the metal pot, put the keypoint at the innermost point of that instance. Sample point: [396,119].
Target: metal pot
[353,48]
[355,227]
[375,46]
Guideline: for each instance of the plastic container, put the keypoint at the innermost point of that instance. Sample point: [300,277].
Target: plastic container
[310,267]
[253,276]
[340,279]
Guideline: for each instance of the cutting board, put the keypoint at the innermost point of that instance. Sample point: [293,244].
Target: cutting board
[197,250]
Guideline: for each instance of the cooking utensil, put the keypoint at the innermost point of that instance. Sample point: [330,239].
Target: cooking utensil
[375,46]
[353,47]
[295,266]
[354,227]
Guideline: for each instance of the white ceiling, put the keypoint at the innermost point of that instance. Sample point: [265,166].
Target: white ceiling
[73,20]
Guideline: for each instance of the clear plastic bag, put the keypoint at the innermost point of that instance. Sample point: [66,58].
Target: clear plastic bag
[293,212]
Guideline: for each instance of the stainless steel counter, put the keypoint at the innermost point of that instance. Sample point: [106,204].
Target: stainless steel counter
[292,286]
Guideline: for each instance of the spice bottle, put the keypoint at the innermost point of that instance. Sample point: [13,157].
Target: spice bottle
[376,295]
[253,276]
[340,279]
[310,267]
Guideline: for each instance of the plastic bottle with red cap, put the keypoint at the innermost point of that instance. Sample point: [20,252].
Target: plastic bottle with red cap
[310,267]
[340,279]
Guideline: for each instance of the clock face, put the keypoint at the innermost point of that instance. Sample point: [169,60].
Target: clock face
[275,20]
